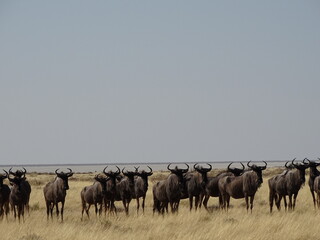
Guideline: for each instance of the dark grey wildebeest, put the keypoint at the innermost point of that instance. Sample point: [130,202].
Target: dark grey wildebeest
[244,186]
[24,183]
[314,172]
[170,190]
[125,189]
[20,192]
[195,186]
[109,196]
[56,191]
[94,195]
[141,186]
[287,184]
[316,188]
[212,187]
[4,195]
[277,183]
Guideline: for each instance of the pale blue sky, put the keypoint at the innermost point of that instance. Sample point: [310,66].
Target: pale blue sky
[153,81]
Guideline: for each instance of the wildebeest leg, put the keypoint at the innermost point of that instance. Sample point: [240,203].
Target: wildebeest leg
[205,201]
[100,209]
[14,211]
[313,198]
[285,203]
[172,206]
[48,209]
[271,198]
[251,202]
[57,210]
[87,210]
[190,201]
[96,208]
[138,205]
[228,201]
[201,196]
[196,201]
[294,200]
[124,202]
[290,201]
[278,202]
[51,209]
[247,201]
[143,201]
[62,207]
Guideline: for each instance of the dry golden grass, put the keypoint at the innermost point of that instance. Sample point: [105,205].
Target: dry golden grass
[236,224]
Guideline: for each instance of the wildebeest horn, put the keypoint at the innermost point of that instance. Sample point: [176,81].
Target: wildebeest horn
[304,161]
[210,167]
[122,170]
[118,171]
[10,172]
[104,170]
[6,172]
[195,166]
[168,167]
[264,167]
[185,170]
[243,167]
[229,166]
[70,173]
[248,164]
[294,163]
[150,170]
[286,164]
[57,171]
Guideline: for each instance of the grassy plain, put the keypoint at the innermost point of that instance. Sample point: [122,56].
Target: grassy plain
[236,224]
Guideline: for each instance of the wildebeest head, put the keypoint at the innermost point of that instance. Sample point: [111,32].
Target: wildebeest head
[203,171]
[289,166]
[19,173]
[312,164]
[179,172]
[64,177]
[144,175]
[302,169]
[2,177]
[258,170]
[236,171]
[103,181]
[130,175]
[112,176]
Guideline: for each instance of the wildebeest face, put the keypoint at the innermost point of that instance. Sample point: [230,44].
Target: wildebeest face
[302,169]
[1,180]
[16,181]
[258,171]
[64,177]
[103,182]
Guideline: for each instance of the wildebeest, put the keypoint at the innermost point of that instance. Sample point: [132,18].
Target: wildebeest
[56,191]
[277,183]
[316,188]
[125,189]
[287,184]
[195,186]
[170,190]
[94,195]
[20,192]
[244,186]
[141,186]
[4,196]
[24,183]
[212,187]
[314,172]
[109,196]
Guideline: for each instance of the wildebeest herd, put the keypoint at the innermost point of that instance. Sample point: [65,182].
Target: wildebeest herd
[110,186]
